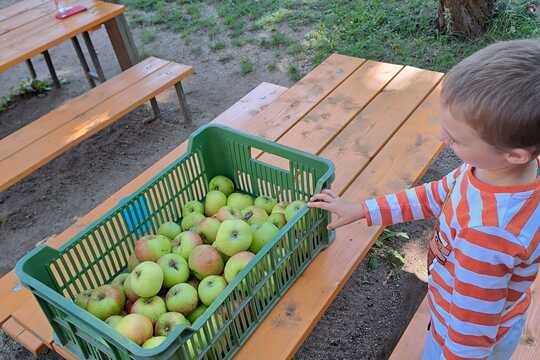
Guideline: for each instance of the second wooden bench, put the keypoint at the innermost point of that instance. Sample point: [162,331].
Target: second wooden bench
[44,139]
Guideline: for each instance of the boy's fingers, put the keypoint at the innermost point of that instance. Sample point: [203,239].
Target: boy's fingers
[321,197]
[331,193]
[319,205]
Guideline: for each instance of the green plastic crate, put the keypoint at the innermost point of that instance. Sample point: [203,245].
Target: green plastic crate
[100,252]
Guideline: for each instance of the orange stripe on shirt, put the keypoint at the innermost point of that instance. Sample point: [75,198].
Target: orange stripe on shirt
[422,198]
[405,206]
[478,292]
[450,356]
[520,219]
[480,267]
[462,210]
[470,340]
[491,242]
[490,215]
[386,213]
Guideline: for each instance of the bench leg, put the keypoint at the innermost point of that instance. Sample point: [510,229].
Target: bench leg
[50,65]
[183,102]
[82,60]
[93,56]
[31,69]
[155,109]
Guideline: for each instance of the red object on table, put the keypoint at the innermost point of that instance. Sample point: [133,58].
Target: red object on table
[71,11]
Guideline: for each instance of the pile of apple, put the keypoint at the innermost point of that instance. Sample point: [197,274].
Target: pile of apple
[176,274]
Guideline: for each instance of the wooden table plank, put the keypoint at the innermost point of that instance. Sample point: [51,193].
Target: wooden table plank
[42,37]
[384,115]
[288,109]
[27,17]
[36,27]
[20,7]
[76,107]
[399,164]
[325,121]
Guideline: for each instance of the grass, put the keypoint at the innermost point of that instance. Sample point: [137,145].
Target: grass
[393,31]
[217,45]
[148,35]
[383,250]
[245,66]
[26,88]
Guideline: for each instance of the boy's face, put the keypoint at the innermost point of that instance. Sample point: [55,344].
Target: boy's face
[467,144]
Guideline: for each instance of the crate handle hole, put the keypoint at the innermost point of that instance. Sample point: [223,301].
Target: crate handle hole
[270,159]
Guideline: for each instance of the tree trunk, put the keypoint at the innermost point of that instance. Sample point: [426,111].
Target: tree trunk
[468,18]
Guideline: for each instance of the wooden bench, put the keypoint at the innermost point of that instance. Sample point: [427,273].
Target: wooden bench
[37,143]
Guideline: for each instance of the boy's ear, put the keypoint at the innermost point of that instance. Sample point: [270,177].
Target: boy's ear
[519,156]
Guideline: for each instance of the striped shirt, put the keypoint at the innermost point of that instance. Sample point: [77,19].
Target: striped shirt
[493,234]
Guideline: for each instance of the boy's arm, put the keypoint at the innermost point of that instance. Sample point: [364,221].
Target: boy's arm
[421,202]
[483,264]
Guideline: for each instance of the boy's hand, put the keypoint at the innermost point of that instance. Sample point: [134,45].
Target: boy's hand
[346,212]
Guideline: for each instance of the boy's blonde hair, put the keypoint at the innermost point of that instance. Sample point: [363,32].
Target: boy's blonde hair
[497,91]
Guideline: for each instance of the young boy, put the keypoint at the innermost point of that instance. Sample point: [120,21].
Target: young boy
[485,252]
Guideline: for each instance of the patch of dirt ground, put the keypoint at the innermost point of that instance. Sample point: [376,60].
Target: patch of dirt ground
[369,314]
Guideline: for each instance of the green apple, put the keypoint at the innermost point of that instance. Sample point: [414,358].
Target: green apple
[213,202]
[210,288]
[292,208]
[168,321]
[239,201]
[146,279]
[169,229]
[151,247]
[197,313]
[266,203]
[113,320]
[136,327]
[119,280]
[278,219]
[254,215]
[205,260]
[190,220]
[193,206]
[105,301]
[227,213]
[165,243]
[175,269]
[153,342]
[236,264]
[151,307]
[233,236]
[132,262]
[128,290]
[280,207]
[82,298]
[262,234]
[182,298]
[221,183]
[207,229]
[185,242]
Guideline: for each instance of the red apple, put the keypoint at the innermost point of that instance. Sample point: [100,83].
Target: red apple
[136,327]
[105,301]
[205,260]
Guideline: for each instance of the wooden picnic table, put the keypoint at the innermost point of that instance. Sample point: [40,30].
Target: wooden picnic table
[376,121]
[29,28]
